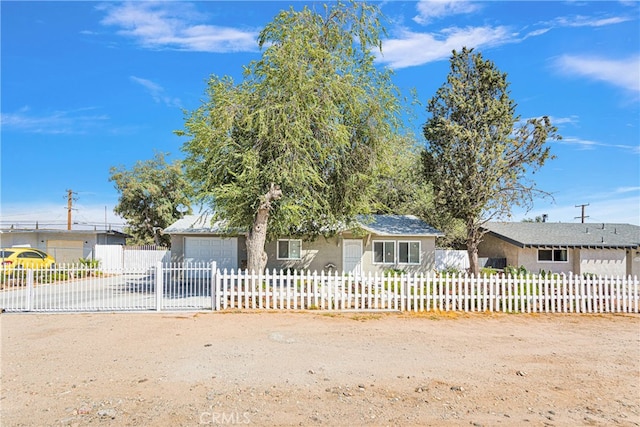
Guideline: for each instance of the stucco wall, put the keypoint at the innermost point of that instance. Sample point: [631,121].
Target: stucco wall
[492,247]
[529,258]
[603,262]
[633,262]
[314,255]
[427,255]
[41,239]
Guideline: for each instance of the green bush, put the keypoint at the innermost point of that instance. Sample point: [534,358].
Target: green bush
[394,272]
[516,271]
[89,263]
[450,271]
[488,271]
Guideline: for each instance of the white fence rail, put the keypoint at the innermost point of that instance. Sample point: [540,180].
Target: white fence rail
[203,287]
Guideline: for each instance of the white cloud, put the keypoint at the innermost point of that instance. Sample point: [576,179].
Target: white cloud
[428,10]
[571,120]
[56,122]
[586,144]
[588,21]
[175,25]
[157,92]
[624,73]
[411,48]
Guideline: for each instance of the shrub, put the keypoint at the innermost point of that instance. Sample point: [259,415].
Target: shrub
[488,271]
[450,271]
[516,271]
[394,272]
[89,263]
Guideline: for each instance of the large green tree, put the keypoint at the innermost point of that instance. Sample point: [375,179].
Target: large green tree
[298,145]
[479,154]
[153,194]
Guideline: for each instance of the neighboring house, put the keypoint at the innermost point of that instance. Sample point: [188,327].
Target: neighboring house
[384,242]
[602,249]
[66,246]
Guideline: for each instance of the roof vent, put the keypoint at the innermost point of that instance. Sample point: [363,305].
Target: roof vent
[602,239]
[587,230]
[603,225]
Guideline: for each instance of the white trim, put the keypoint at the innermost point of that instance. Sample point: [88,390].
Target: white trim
[384,262]
[552,260]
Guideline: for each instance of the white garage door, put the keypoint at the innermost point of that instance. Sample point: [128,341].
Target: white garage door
[206,249]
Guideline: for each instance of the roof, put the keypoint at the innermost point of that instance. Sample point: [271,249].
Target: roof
[397,225]
[570,235]
[196,224]
[383,225]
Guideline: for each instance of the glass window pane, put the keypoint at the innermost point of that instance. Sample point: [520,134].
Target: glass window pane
[414,252]
[403,252]
[283,249]
[545,255]
[294,249]
[378,252]
[560,255]
[389,252]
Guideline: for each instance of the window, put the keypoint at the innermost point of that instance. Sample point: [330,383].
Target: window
[384,252]
[552,255]
[289,249]
[409,252]
[30,254]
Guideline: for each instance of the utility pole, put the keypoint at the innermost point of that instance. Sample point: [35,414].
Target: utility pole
[70,194]
[582,217]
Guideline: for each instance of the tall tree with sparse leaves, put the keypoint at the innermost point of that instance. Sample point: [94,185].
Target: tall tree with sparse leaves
[153,194]
[297,146]
[478,153]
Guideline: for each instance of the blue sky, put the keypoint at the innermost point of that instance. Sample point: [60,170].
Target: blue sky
[90,85]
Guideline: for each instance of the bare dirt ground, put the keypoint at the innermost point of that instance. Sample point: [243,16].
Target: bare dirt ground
[319,369]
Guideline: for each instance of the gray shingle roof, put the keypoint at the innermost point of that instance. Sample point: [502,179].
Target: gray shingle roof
[549,234]
[383,225]
[397,225]
[200,223]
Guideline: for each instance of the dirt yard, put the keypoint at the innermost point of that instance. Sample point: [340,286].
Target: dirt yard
[319,369]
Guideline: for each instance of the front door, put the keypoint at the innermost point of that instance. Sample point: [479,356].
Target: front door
[352,256]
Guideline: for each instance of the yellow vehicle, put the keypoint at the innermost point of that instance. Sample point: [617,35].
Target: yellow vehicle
[12,259]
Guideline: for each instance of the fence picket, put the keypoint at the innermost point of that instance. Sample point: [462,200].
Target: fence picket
[177,286]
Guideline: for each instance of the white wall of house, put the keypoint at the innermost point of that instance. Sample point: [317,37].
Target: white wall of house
[314,256]
[633,262]
[603,262]
[65,247]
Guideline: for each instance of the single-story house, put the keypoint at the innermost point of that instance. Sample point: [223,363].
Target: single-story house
[601,249]
[66,246]
[383,242]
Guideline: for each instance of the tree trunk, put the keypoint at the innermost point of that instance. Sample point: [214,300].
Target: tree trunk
[474,268]
[256,255]
[473,240]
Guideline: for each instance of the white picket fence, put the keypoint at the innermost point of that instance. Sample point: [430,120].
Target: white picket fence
[204,287]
